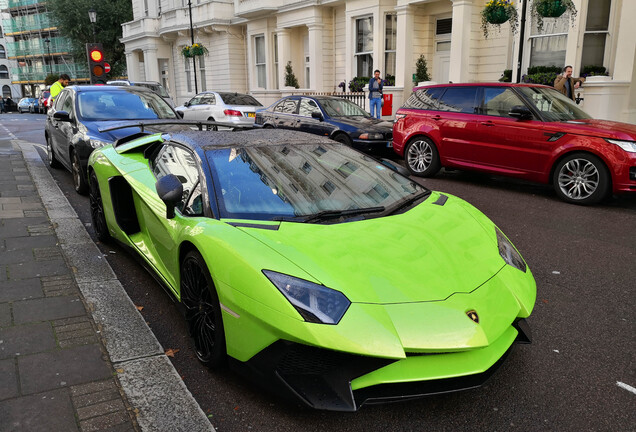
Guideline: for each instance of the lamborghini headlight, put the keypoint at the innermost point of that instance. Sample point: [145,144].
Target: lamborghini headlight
[95,143]
[315,303]
[628,146]
[509,253]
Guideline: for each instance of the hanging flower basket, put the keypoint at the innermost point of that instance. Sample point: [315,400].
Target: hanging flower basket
[551,8]
[196,49]
[540,9]
[498,12]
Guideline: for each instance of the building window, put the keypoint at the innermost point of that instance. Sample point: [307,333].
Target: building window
[364,46]
[4,72]
[596,33]
[188,73]
[276,71]
[6,91]
[547,48]
[3,53]
[390,42]
[259,50]
[202,73]
[328,187]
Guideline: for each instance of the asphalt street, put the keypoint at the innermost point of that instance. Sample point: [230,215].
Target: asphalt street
[578,374]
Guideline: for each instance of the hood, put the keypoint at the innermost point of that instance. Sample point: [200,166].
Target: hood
[365,124]
[425,254]
[601,128]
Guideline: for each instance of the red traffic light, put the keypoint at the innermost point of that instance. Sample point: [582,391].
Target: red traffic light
[96,55]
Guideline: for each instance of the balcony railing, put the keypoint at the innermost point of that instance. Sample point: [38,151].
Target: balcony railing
[37,47]
[38,73]
[4,4]
[29,23]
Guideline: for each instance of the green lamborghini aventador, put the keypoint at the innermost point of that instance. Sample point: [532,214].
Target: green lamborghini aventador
[318,269]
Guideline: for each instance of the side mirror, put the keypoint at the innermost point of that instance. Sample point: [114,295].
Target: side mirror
[62,116]
[187,104]
[180,114]
[317,115]
[520,112]
[395,167]
[170,190]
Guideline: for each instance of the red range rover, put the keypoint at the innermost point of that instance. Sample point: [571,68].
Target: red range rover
[519,130]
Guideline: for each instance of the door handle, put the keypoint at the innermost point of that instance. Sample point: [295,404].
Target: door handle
[487,123]
[436,117]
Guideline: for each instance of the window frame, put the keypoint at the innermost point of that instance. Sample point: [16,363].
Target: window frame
[260,68]
[359,54]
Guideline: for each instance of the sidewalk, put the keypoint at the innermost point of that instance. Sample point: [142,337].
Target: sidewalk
[75,354]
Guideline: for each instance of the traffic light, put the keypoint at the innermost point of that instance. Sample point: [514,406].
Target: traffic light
[96,70]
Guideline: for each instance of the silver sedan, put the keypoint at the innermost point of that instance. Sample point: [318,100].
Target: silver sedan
[233,109]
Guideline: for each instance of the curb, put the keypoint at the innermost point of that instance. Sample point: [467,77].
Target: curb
[150,382]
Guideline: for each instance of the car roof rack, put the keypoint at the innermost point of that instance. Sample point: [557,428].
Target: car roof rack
[143,124]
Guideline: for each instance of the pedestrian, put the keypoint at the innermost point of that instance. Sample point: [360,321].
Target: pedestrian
[566,84]
[1,105]
[57,87]
[375,94]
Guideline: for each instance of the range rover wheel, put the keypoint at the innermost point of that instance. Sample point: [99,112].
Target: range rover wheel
[421,157]
[581,178]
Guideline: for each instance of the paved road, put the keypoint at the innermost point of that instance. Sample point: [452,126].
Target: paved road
[584,261]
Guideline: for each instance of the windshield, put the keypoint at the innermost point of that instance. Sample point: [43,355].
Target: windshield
[553,105]
[122,105]
[337,107]
[292,181]
[239,99]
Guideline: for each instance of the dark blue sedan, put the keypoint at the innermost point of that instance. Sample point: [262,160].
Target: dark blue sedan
[73,124]
[337,118]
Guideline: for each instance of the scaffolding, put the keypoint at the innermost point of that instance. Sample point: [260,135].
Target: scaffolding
[37,47]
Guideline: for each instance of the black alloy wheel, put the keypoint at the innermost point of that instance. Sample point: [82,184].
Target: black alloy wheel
[97,210]
[421,157]
[78,177]
[581,178]
[202,310]
[53,162]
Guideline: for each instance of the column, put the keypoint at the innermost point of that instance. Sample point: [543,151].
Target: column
[404,58]
[460,40]
[284,53]
[151,65]
[132,65]
[316,68]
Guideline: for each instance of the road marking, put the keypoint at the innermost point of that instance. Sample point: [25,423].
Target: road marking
[8,132]
[626,387]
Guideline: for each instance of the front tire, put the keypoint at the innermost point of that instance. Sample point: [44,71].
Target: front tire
[212,128]
[421,157]
[202,310]
[97,210]
[78,177]
[581,178]
[344,139]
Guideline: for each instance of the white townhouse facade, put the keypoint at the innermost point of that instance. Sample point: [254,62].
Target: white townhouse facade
[333,41]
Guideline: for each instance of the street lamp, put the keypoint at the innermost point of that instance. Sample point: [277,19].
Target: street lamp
[47,41]
[194,63]
[92,15]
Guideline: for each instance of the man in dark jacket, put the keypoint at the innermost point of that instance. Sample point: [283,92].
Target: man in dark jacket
[375,95]
[566,84]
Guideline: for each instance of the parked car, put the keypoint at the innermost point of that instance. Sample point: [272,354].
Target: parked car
[335,117]
[26,104]
[43,101]
[73,122]
[335,279]
[527,131]
[152,85]
[232,109]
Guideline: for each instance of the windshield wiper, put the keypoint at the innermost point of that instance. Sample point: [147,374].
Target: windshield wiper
[407,202]
[329,214]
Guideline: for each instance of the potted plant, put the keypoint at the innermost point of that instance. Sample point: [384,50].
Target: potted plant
[290,77]
[196,49]
[540,9]
[497,12]
[421,70]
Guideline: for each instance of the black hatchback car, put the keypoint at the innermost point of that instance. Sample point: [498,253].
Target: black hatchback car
[335,117]
[74,121]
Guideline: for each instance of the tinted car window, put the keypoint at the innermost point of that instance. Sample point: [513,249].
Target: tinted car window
[427,99]
[67,103]
[553,105]
[337,107]
[459,99]
[287,106]
[239,99]
[308,106]
[208,99]
[155,88]
[499,100]
[124,105]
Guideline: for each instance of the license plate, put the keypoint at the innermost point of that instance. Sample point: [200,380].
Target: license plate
[251,114]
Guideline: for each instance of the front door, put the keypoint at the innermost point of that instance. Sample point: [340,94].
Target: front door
[442,61]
